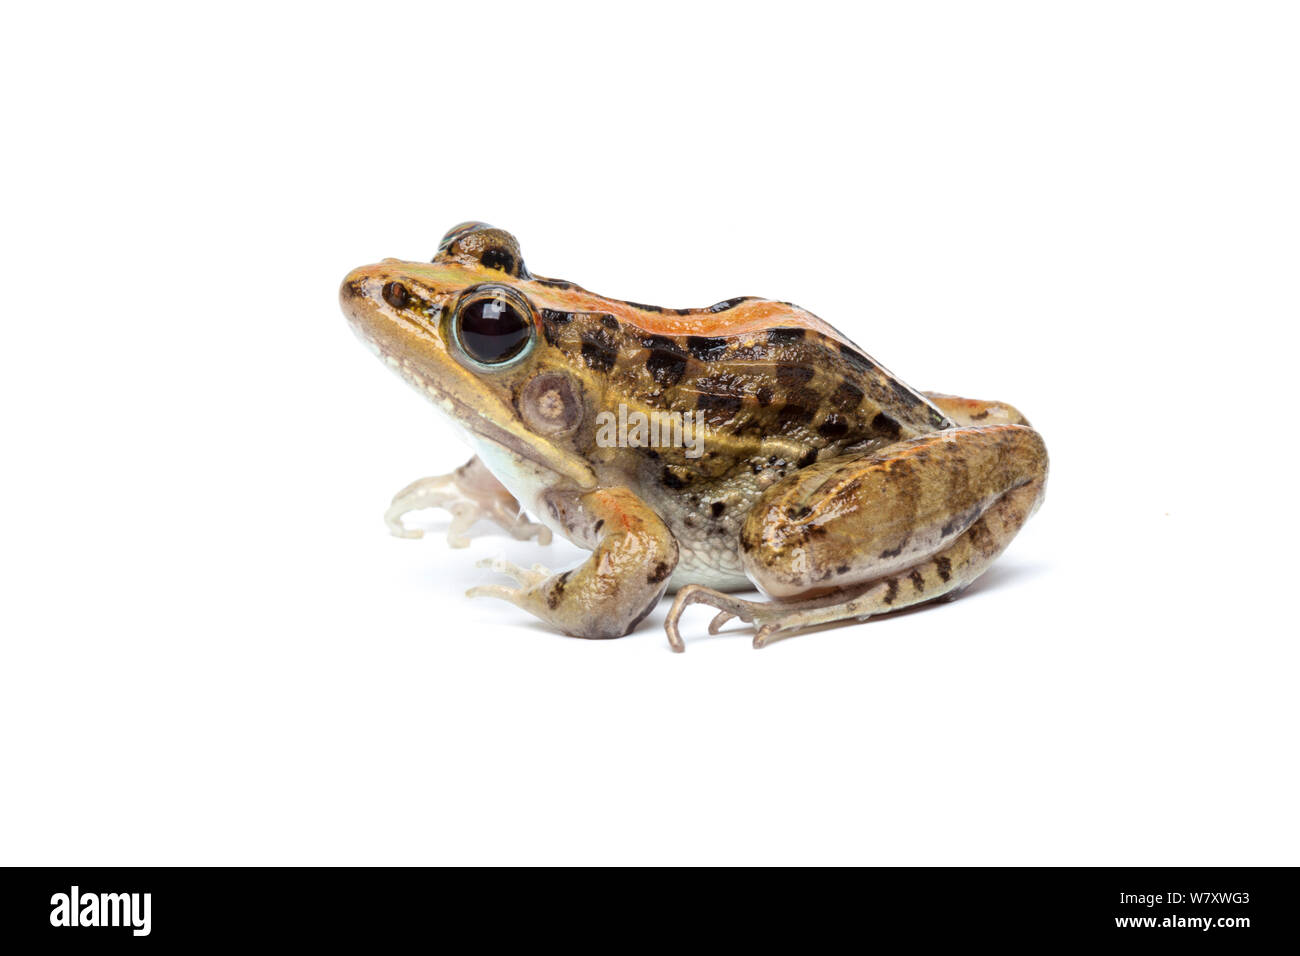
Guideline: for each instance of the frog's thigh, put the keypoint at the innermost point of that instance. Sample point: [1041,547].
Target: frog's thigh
[852,537]
[610,593]
[850,520]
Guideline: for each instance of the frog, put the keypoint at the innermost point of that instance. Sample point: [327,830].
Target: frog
[788,461]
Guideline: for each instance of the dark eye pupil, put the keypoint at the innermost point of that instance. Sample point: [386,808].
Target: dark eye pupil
[492,330]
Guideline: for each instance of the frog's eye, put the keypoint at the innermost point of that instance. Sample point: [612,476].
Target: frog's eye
[492,326]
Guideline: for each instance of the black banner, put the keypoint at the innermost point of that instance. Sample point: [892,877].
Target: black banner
[143,907]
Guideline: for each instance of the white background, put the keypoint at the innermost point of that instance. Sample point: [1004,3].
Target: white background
[214,653]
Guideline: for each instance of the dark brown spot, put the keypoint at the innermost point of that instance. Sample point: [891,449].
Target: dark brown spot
[609,322]
[891,590]
[501,259]
[659,572]
[704,348]
[944,567]
[726,304]
[597,334]
[793,376]
[895,552]
[556,595]
[795,415]
[918,582]
[666,367]
[846,397]
[717,409]
[807,458]
[662,342]
[882,424]
[675,478]
[552,322]
[598,356]
[764,396]
[833,427]
[784,336]
[717,508]
[980,537]
[599,524]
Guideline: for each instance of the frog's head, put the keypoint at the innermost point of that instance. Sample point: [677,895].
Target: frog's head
[463,330]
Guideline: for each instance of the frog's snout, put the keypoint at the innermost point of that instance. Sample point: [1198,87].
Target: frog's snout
[357,294]
[356,299]
[385,309]
[352,288]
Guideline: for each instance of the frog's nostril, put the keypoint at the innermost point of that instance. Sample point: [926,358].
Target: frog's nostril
[396,295]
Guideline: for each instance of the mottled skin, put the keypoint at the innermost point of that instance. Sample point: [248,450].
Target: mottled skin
[827,482]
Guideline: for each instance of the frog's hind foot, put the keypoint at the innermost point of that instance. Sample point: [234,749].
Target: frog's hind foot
[771,619]
[468,494]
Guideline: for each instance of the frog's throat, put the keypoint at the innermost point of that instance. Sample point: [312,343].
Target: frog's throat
[521,443]
[511,436]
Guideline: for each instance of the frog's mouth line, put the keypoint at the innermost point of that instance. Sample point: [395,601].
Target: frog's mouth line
[475,421]
[488,430]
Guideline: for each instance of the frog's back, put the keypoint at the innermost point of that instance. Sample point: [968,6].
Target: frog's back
[771,382]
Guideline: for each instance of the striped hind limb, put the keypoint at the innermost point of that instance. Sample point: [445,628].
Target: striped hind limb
[853,537]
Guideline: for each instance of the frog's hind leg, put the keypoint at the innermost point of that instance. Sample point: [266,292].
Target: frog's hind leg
[469,493]
[852,537]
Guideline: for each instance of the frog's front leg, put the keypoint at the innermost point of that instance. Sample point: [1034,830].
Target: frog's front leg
[610,593]
[855,536]
[469,493]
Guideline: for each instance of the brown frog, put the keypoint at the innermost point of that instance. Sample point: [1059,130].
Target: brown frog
[707,450]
